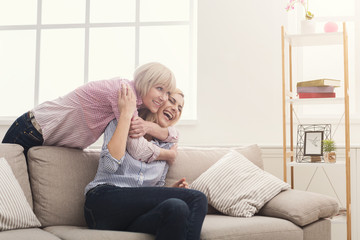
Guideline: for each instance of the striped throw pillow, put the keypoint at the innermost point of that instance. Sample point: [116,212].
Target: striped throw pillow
[15,211]
[237,187]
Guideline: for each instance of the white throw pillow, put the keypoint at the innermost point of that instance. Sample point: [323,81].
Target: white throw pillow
[237,187]
[15,211]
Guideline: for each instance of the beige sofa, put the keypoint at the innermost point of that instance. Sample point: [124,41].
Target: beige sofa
[55,178]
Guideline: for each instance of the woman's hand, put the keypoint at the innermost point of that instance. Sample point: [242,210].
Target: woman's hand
[126,101]
[181,184]
[139,127]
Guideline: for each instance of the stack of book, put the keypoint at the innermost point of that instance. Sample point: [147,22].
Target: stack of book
[319,88]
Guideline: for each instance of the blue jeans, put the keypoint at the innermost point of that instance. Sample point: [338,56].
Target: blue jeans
[23,133]
[168,213]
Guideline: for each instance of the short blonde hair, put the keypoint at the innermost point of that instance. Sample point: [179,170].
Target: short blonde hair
[152,74]
[152,117]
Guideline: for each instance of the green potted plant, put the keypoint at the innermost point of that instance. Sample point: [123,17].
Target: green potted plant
[329,150]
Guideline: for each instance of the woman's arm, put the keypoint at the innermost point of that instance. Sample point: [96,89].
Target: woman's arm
[115,132]
[145,151]
[140,127]
[127,106]
[107,162]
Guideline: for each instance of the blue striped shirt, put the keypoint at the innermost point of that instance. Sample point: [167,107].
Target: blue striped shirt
[128,172]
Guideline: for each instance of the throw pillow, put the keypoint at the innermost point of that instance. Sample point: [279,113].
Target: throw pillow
[300,207]
[237,187]
[15,211]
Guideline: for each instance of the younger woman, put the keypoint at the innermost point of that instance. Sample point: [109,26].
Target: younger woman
[128,195]
[79,118]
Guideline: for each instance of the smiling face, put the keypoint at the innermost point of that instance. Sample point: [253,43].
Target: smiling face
[170,112]
[155,98]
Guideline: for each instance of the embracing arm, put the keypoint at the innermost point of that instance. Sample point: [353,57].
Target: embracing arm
[145,151]
[140,127]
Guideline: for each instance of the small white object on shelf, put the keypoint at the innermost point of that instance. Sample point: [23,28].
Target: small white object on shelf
[308,26]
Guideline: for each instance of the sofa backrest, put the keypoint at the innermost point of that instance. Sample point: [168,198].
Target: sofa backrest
[191,162]
[14,155]
[58,177]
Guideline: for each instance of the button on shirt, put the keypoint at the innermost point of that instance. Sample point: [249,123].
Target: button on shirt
[128,172]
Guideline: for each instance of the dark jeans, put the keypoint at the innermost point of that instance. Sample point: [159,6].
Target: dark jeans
[23,133]
[168,213]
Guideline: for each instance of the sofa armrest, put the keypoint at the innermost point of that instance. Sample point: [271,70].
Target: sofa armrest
[300,207]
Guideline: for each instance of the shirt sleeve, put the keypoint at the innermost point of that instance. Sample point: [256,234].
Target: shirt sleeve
[173,136]
[142,150]
[107,162]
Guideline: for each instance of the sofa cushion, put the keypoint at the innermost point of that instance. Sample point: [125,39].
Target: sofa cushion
[81,233]
[58,178]
[319,230]
[191,162]
[237,187]
[15,211]
[217,227]
[27,234]
[300,207]
[13,153]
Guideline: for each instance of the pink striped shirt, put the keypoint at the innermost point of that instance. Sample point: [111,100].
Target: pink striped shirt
[79,118]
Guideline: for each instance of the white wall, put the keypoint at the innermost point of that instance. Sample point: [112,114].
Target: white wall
[239,74]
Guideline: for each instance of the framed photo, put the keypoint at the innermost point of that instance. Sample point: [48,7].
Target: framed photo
[305,134]
[313,143]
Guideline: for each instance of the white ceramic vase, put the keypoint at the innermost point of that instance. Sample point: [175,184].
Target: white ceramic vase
[308,26]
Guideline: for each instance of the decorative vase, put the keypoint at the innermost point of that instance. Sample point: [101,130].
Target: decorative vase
[308,26]
[330,157]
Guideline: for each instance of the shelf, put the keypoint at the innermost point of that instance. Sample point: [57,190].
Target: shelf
[338,220]
[305,101]
[315,164]
[316,39]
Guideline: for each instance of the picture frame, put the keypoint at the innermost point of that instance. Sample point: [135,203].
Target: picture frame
[313,143]
[311,154]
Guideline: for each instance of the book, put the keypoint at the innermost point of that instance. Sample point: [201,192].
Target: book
[316,95]
[315,89]
[319,83]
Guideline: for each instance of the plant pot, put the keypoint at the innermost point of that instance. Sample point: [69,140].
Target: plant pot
[308,26]
[330,157]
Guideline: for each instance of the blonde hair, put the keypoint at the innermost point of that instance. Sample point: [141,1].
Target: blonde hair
[152,117]
[152,74]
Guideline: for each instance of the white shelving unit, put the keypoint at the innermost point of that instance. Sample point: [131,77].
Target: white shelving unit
[289,99]
[315,164]
[318,39]
[315,101]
